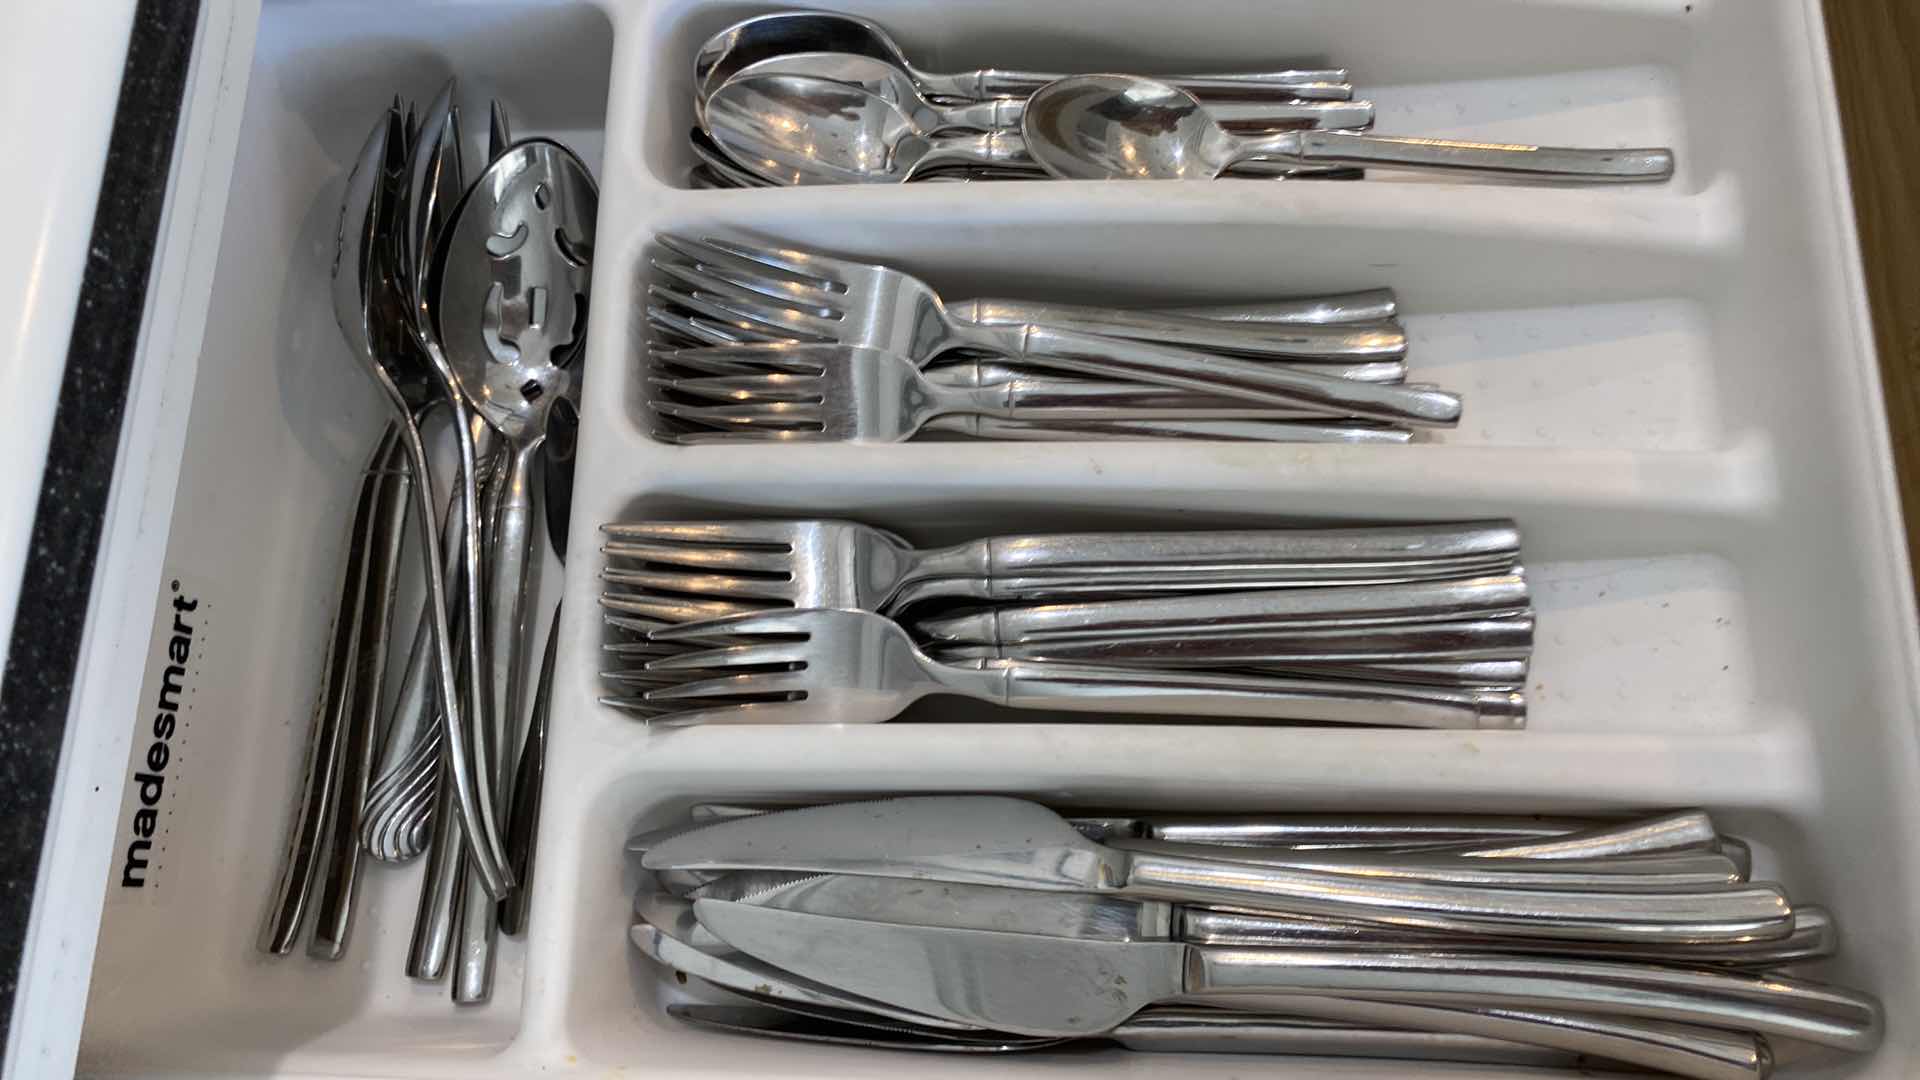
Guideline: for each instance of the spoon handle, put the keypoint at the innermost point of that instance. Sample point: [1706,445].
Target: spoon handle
[306,836]
[1003,148]
[1310,84]
[1493,159]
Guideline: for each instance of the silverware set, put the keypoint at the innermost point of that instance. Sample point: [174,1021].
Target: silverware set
[986,924]
[467,298]
[808,621]
[814,97]
[751,342]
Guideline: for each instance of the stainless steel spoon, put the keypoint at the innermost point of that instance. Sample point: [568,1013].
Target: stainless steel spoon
[797,130]
[889,81]
[512,312]
[723,55]
[1107,127]
[356,291]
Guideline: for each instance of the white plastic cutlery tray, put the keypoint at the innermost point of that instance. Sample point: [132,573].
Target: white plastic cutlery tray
[1670,387]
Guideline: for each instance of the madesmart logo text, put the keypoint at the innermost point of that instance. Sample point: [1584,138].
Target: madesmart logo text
[151,782]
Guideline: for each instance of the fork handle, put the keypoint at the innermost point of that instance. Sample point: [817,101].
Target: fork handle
[1242,554]
[1106,357]
[1384,340]
[1038,684]
[1356,307]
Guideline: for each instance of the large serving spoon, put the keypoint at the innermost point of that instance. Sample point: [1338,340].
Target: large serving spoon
[724,54]
[359,297]
[512,307]
[885,80]
[1122,127]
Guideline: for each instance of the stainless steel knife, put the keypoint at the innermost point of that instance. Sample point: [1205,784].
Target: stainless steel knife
[1042,985]
[993,840]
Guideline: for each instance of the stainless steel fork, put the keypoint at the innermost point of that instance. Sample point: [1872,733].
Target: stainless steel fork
[839,301]
[705,569]
[868,395]
[753,291]
[849,667]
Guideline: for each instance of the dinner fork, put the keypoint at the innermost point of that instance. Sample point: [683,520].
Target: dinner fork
[757,564]
[868,395]
[831,666]
[806,296]
[839,301]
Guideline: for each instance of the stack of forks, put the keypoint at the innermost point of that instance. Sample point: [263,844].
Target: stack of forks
[811,621]
[753,342]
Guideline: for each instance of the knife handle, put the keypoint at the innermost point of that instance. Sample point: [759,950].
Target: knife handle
[1703,1053]
[1752,912]
[1766,1004]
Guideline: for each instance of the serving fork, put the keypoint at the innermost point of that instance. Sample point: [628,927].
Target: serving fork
[833,666]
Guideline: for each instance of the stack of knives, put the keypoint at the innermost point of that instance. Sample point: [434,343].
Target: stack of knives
[992,924]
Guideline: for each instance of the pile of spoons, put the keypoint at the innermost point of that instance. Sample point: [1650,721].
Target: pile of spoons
[990,924]
[757,342]
[797,621]
[467,298]
[812,97]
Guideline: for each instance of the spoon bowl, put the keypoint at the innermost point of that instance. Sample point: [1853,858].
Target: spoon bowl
[802,130]
[1123,127]
[727,53]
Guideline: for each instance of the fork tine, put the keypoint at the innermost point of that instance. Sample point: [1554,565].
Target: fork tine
[786,355]
[634,623]
[691,330]
[791,652]
[723,361]
[719,585]
[785,322]
[746,712]
[718,254]
[773,533]
[700,557]
[774,412]
[746,288]
[744,388]
[751,683]
[788,621]
[814,268]
[732,435]
[673,609]
[641,650]
[640,676]
[638,705]
[736,435]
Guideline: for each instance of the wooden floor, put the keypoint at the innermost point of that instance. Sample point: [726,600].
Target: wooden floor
[1876,61]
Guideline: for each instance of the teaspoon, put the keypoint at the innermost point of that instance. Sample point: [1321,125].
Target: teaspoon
[1120,127]
[726,53]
